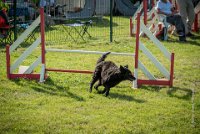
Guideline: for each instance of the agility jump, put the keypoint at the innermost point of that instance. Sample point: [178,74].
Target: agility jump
[10,49]
[168,81]
[150,18]
[41,59]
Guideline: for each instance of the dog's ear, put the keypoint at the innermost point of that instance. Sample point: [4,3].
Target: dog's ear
[126,66]
[122,69]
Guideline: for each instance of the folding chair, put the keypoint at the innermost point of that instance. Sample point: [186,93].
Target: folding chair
[86,25]
[81,28]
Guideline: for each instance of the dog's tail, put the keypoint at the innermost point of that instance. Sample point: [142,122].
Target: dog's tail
[103,57]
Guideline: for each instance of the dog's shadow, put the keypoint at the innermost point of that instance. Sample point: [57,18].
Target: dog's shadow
[125,97]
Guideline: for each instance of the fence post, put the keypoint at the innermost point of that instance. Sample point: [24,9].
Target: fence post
[111,21]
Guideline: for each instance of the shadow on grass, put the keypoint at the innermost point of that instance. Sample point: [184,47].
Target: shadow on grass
[180,93]
[125,97]
[151,88]
[2,47]
[198,106]
[49,87]
[190,40]
[193,41]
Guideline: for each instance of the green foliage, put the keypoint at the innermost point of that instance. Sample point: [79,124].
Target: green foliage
[4,6]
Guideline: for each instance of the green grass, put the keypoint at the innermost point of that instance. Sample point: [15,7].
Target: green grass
[63,104]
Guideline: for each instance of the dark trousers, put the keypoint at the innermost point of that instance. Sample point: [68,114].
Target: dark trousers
[176,20]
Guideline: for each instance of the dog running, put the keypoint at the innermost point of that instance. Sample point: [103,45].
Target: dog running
[108,74]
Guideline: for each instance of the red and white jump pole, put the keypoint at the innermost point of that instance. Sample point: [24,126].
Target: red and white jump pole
[145,4]
[139,46]
[172,70]
[137,50]
[22,37]
[42,29]
[8,61]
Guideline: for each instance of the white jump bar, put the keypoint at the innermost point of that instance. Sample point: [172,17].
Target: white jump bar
[87,52]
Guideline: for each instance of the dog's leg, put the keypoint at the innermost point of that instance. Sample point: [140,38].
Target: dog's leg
[94,79]
[97,85]
[107,91]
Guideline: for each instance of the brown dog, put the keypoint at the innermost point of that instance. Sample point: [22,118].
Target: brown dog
[109,75]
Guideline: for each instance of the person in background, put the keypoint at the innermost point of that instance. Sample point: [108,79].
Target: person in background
[29,5]
[31,8]
[44,3]
[165,7]
[3,18]
[186,9]
[48,5]
[4,23]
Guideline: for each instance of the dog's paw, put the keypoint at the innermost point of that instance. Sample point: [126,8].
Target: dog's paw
[106,95]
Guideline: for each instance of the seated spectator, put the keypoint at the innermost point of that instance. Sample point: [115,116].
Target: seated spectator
[5,26]
[165,7]
[31,8]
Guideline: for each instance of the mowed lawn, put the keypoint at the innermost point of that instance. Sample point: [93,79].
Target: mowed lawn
[62,104]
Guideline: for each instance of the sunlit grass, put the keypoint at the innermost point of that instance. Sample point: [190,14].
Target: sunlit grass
[63,104]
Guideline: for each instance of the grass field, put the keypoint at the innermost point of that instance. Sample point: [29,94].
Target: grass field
[63,104]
